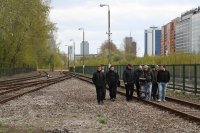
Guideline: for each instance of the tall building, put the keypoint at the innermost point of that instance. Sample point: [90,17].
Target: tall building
[71,52]
[168,37]
[86,48]
[131,45]
[152,41]
[188,33]
[196,32]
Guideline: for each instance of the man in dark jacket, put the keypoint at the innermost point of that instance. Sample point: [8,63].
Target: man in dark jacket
[163,79]
[99,81]
[128,77]
[148,82]
[138,73]
[104,87]
[154,82]
[112,78]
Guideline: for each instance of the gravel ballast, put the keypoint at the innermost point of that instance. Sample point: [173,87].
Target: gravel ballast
[71,106]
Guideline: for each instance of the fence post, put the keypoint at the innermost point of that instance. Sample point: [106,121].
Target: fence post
[195,79]
[173,76]
[184,77]
[120,71]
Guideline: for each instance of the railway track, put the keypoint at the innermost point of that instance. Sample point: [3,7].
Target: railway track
[184,109]
[9,84]
[12,82]
[18,91]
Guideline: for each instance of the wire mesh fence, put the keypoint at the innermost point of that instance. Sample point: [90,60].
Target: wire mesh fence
[7,70]
[183,77]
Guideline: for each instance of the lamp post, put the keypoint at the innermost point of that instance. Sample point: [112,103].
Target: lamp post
[109,45]
[67,56]
[83,48]
[74,54]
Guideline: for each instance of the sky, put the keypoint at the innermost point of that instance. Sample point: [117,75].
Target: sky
[128,18]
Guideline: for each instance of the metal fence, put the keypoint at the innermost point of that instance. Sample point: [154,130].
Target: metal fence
[183,77]
[13,71]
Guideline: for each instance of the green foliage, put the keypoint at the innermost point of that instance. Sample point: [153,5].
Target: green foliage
[122,58]
[102,118]
[26,34]
[106,46]
[1,124]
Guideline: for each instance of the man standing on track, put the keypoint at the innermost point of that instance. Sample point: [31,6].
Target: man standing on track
[112,78]
[148,82]
[163,78]
[154,81]
[138,73]
[128,77]
[104,87]
[99,80]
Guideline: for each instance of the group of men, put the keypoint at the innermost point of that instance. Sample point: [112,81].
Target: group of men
[101,78]
[151,83]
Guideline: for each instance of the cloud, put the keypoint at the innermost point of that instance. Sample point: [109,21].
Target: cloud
[126,16]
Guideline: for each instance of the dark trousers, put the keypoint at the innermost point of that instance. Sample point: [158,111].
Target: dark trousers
[104,92]
[154,90]
[129,91]
[112,90]
[99,91]
[137,84]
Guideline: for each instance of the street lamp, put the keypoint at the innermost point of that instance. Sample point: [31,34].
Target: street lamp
[74,53]
[68,56]
[109,55]
[83,47]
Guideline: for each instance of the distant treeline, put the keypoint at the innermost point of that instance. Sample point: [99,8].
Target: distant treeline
[123,58]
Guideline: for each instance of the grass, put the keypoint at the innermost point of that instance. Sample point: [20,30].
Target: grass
[8,129]
[184,95]
[88,126]
[102,118]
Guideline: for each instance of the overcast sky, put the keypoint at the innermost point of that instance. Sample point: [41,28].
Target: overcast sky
[127,16]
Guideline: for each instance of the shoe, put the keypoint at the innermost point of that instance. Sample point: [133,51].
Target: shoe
[101,103]
[164,100]
[159,100]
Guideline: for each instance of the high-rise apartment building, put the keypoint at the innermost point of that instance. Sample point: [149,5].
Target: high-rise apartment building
[131,45]
[86,48]
[168,37]
[152,41]
[196,32]
[188,33]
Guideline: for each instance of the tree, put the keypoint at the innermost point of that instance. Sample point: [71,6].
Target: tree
[105,47]
[26,34]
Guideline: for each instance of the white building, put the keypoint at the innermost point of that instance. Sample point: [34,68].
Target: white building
[188,33]
[71,52]
[196,32]
[152,41]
